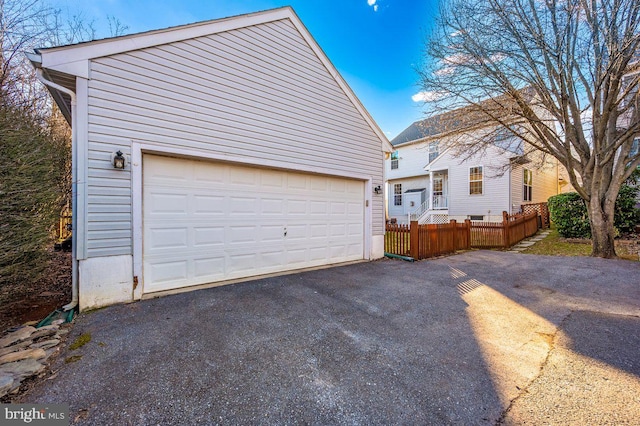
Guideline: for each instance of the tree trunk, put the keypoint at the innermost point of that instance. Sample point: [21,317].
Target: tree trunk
[602,229]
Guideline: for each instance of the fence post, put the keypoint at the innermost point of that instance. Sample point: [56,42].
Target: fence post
[454,225]
[414,240]
[505,228]
[467,222]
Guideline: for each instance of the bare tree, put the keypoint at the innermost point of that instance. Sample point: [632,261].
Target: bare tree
[35,172]
[567,70]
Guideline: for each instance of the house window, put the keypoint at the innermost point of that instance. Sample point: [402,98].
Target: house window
[635,148]
[394,162]
[527,186]
[475,180]
[626,82]
[397,194]
[434,151]
[476,217]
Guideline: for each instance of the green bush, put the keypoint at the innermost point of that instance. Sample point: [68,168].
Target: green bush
[569,214]
[627,215]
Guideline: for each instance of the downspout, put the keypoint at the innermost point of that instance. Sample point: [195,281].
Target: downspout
[74,189]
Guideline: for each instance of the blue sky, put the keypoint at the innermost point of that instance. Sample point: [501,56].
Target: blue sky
[375,44]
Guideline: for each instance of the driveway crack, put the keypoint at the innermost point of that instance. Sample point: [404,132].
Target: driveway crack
[525,389]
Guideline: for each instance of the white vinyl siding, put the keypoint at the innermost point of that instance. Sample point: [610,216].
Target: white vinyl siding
[257,92]
[495,192]
[398,212]
[412,158]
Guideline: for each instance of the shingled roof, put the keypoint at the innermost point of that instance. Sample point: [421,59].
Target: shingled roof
[468,117]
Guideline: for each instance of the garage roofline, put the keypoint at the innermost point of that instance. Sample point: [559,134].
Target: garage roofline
[63,64]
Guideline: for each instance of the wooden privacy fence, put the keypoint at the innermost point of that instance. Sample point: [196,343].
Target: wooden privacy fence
[438,239]
[424,241]
[396,239]
[64,224]
[512,230]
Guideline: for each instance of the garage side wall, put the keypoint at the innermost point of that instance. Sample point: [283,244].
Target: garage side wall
[259,93]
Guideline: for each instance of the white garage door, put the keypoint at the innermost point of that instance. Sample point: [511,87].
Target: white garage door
[206,222]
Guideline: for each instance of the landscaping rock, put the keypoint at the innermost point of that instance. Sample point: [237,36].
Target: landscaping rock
[57,322]
[36,353]
[46,344]
[6,383]
[21,369]
[20,334]
[46,331]
[16,347]
[62,332]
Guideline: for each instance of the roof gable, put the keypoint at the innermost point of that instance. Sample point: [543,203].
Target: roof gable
[74,60]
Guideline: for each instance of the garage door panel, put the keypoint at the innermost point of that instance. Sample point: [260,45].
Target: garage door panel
[319,208]
[272,206]
[168,238]
[167,203]
[208,236]
[166,271]
[208,204]
[221,221]
[243,177]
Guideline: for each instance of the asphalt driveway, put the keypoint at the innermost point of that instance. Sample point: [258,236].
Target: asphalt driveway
[479,338]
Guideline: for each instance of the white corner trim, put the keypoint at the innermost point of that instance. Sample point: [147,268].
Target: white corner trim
[136,206]
[82,138]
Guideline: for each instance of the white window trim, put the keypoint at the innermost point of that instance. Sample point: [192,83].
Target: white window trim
[396,159]
[435,151]
[469,181]
[396,195]
[525,185]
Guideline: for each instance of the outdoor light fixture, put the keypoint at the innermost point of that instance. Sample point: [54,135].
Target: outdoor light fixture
[118,160]
[378,189]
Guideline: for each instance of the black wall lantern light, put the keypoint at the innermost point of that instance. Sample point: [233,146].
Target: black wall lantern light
[378,189]
[118,160]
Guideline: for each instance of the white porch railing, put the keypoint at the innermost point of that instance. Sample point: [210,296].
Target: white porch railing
[440,202]
[414,215]
[431,211]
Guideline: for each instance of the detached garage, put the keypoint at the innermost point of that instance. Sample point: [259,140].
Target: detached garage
[211,153]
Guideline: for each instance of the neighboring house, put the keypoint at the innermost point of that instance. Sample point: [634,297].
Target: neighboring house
[245,153]
[429,179]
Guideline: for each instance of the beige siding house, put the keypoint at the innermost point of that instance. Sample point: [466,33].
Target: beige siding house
[433,179]
[245,154]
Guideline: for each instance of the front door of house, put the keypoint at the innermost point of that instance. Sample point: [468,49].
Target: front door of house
[439,192]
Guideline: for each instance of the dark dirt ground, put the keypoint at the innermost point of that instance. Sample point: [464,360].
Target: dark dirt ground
[33,301]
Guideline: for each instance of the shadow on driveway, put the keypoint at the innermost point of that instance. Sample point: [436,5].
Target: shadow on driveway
[373,343]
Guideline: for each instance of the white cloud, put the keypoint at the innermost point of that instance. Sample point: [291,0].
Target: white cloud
[445,71]
[428,96]
[456,59]
[373,4]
